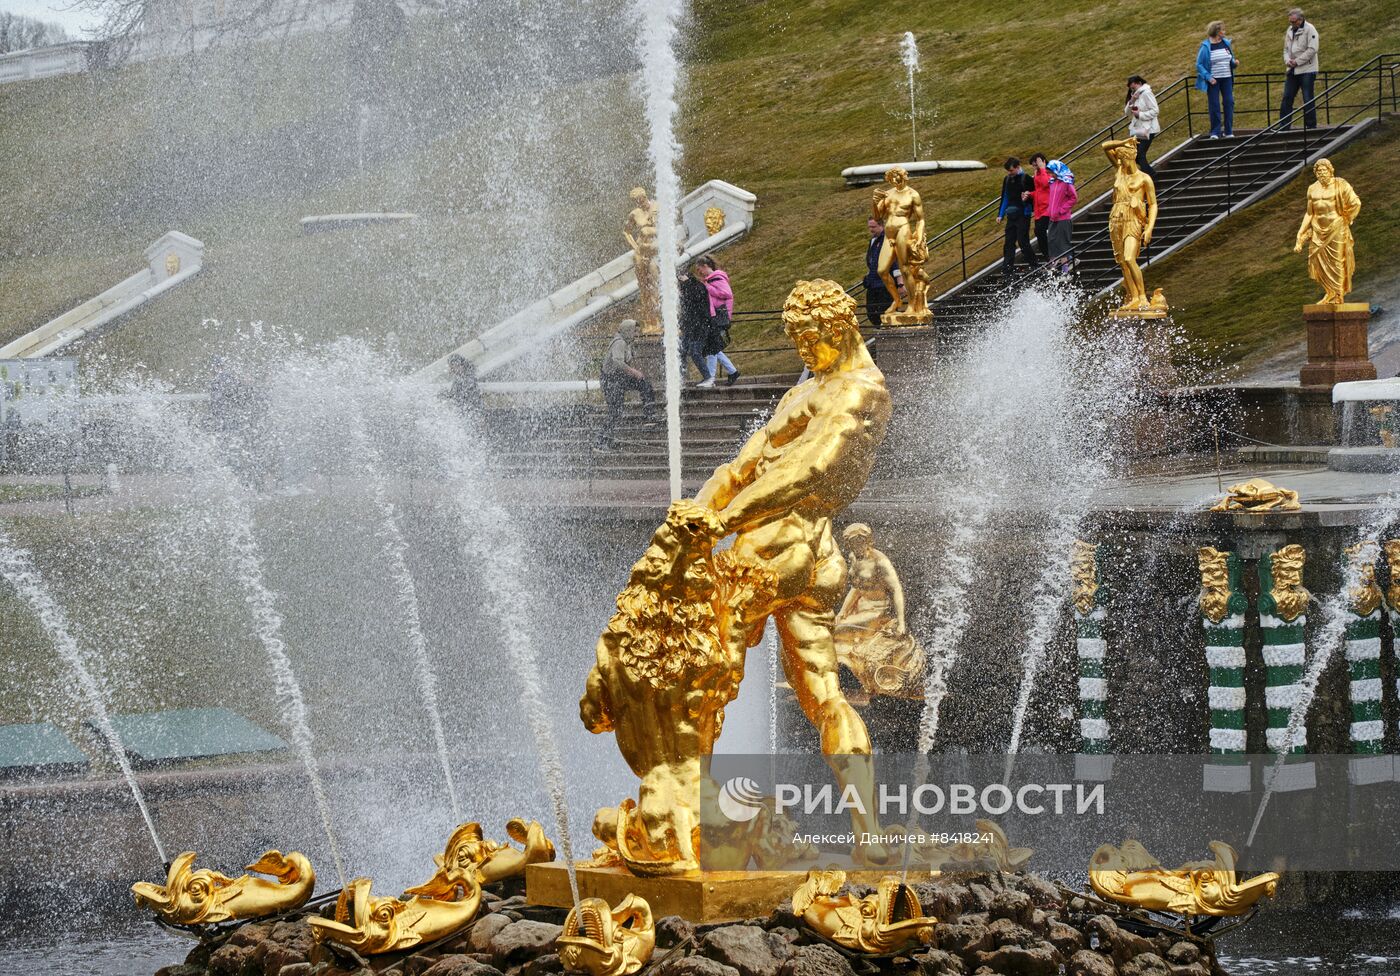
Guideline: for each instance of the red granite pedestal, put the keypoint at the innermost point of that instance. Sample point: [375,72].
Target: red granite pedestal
[1338,349]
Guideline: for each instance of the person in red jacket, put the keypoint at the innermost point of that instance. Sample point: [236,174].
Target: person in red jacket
[1041,198]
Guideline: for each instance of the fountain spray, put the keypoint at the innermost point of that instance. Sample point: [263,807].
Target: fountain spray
[18,570]
[909,54]
[656,43]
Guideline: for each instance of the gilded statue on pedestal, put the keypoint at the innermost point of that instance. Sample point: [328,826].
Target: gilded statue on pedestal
[1131,876]
[1332,208]
[901,210]
[1130,226]
[871,637]
[673,655]
[639,231]
[880,923]
[204,897]
[604,941]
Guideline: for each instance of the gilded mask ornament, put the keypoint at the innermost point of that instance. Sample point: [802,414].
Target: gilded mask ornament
[1365,596]
[1220,584]
[1281,579]
[172,264]
[605,941]
[1257,496]
[1084,570]
[884,922]
[1392,561]
[714,221]
[1131,876]
[204,897]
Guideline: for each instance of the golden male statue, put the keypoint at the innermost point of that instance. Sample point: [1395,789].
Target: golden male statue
[673,655]
[901,210]
[1130,226]
[639,231]
[1332,208]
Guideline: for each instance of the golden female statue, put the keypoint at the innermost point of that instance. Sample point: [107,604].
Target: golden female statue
[1332,208]
[639,231]
[871,637]
[1130,225]
[673,655]
[901,210]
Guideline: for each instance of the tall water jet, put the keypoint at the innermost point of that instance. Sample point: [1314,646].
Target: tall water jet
[18,570]
[200,456]
[656,44]
[405,595]
[494,542]
[909,54]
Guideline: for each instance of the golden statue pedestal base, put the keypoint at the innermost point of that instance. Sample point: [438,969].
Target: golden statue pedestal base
[1338,344]
[894,319]
[1140,314]
[701,896]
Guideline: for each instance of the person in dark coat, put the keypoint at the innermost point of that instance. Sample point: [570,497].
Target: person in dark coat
[1016,211]
[694,322]
[877,296]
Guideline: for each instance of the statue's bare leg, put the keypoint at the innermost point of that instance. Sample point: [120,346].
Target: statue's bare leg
[809,661]
[1134,288]
[885,269]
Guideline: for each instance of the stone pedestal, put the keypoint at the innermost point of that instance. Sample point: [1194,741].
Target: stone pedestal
[1338,349]
[906,319]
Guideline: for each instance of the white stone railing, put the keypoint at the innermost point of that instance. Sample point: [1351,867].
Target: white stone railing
[68,58]
[600,289]
[172,259]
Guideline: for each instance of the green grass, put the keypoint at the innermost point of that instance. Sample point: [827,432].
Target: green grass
[28,492]
[235,147]
[1237,292]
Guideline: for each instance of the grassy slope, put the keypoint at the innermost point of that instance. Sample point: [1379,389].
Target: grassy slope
[783,96]
[1237,292]
[779,98]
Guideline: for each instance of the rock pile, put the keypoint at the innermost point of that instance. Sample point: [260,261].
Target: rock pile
[989,925]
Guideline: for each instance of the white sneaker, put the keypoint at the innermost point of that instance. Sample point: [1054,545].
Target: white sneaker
[706,384]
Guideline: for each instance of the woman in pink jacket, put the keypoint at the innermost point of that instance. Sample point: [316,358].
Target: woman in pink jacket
[721,311]
[1063,197]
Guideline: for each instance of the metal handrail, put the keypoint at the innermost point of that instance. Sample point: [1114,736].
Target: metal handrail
[1381,66]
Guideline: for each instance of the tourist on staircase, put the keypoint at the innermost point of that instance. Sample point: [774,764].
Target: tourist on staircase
[1142,106]
[1017,206]
[1040,211]
[1215,75]
[716,281]
[1300,58]
[1063,197]
[619,376]
[877,297]
[694,314]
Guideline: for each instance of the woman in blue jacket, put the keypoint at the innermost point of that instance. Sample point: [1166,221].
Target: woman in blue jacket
[1215,75]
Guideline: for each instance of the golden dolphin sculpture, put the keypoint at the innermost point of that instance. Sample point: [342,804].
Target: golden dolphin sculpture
[886,921]
[204,897]
[605,941]
[439,906]
[1131,876]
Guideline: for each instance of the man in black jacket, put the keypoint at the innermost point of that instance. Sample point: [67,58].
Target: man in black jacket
[694,315]
[877,296]
[1017,205]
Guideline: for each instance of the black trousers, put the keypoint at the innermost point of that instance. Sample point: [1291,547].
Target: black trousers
[1142,163]
[1292,85]
[877,302]
[615,387]
[1018,234]
[1042,236]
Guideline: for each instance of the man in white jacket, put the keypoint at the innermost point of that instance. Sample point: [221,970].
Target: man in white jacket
[1142,106]
[1300,60]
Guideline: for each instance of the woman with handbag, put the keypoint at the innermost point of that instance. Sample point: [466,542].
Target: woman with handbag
[721,311]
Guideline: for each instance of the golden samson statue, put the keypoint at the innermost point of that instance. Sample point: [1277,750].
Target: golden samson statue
[672,656]
[871,636]
[1326,228]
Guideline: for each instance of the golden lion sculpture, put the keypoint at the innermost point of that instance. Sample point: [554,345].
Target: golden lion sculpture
[664,673]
